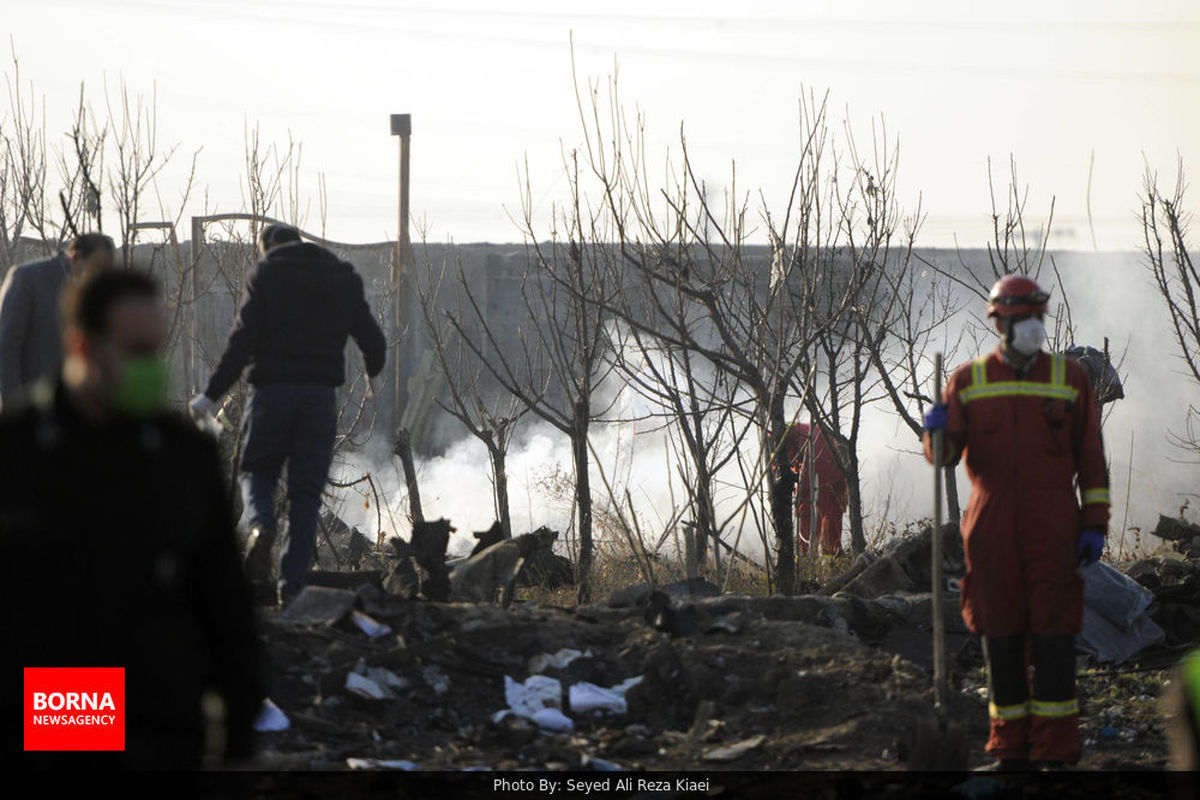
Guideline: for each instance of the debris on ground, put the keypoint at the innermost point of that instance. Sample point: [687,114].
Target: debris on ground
[270,718]
[616,692]
[827,681]
[1116,625]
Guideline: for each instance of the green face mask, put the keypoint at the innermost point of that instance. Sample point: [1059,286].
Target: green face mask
[143,386]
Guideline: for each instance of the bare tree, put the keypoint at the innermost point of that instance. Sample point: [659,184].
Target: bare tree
[562,337]
[902,351]
[23,203]
[856,253]
[489,413]
[1014,248]
[138,161]
[702,290]
[1165,228]
[81,171]
[700,409]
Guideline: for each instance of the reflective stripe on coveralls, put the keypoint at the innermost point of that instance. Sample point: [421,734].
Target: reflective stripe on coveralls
[1063,708]
[1056,389]
[1018,711]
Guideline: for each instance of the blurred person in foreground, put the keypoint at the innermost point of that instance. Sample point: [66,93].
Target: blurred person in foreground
[119,543]
[1028,426]
[300,304]
[31,345]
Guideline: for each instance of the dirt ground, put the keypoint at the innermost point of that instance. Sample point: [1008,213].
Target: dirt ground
[759,691]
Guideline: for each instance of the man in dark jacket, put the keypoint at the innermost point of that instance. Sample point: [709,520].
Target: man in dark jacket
[31,346]
[119,548]
[300,304]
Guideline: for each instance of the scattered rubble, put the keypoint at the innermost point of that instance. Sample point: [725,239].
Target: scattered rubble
[634,697]
[677,676]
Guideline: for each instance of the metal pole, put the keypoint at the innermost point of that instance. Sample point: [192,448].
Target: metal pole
[402,128]
[196,251]
[939,624]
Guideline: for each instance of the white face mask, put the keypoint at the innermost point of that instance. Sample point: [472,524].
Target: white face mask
[1028,335]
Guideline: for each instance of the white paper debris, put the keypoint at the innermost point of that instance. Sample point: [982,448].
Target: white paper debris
[271,718]
[559,660]
[365,687]
[374,683]
[551,719]
[386,678]
[590,697]
[376,763]
[539,693]
[369,626]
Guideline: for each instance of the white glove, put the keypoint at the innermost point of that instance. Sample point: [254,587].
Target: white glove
[372,388]
[201,406]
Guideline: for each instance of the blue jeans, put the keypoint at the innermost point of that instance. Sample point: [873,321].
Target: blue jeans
[296,423]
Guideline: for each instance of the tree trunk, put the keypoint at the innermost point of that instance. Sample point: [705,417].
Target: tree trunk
[500,476]
[706,525]
[583,500]
[404,451]
[782,482]
[858,540]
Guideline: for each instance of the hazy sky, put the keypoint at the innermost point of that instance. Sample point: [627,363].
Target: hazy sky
[1047,82]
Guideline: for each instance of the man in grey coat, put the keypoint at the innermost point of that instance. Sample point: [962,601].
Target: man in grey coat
[31,344]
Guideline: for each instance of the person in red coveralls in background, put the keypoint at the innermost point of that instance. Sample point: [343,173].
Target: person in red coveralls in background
[830,488]
[1028,425]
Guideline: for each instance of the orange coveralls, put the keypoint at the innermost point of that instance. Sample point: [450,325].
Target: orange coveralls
[1025,439]
[831,490]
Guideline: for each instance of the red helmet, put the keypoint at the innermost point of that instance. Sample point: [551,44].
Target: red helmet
[1014,295]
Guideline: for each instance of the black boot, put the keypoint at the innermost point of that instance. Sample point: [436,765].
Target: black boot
[258,553]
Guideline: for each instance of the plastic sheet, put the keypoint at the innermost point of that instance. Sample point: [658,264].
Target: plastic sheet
[1107,642]
[1113,595]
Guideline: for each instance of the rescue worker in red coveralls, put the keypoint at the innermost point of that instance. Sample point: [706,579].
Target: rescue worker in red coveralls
[831,489]
[1028,425]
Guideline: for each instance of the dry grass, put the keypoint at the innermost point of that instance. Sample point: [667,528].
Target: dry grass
[616,566]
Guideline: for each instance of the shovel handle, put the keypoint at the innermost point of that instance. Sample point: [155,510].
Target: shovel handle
[935,588]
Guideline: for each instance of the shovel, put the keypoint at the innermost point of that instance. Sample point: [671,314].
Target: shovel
[938,742]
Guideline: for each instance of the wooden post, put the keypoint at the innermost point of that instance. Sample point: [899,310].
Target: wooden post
[402,128]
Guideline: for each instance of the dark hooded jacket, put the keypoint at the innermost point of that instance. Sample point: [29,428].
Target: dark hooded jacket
[300,304]
[119,551]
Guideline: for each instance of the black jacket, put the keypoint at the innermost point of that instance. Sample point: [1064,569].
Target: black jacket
[117,549]
[299,305]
